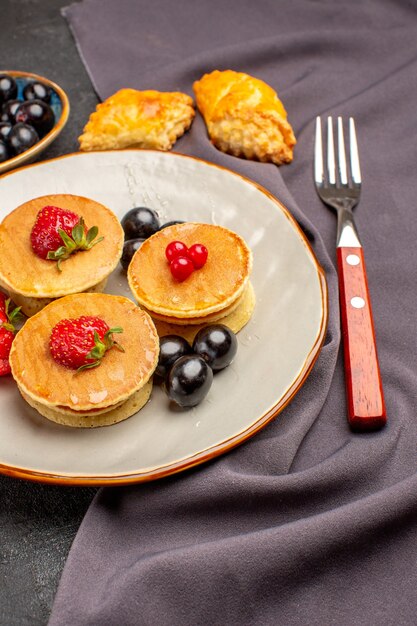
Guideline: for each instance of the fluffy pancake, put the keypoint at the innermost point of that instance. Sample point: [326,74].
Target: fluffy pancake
[235,320]
[214,287]
[30,306]
[91,420]
[206,319]
[23,272]
[119,375]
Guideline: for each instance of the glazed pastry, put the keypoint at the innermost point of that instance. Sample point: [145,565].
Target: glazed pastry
[138,119]
[245,117]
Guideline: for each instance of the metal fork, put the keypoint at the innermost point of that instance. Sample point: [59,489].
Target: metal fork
[339,187]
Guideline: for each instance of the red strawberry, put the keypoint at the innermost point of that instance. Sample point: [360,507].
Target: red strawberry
[81,343]
[6,340]
[7,332]
[57,233]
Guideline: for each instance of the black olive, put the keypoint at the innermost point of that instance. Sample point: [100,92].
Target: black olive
[5,128]
[217,344]
[189,380]
[9,110]
[140,223]
[172,223]
[37,91]
[129,248]
[22,137]
[38,114]
[4,152]
[8,88]
[171,348]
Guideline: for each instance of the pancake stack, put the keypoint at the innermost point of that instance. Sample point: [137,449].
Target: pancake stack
[219,292]
[104,395]
[32,282]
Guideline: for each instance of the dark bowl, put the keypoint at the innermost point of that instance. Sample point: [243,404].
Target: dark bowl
[60,105]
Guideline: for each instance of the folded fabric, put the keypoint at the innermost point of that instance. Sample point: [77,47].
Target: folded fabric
[307,522]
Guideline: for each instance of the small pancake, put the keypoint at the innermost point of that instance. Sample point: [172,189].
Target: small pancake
[219,283]
[84,420]
[23,272]
[30,306]
[205,319]
[235,320]
[118,376]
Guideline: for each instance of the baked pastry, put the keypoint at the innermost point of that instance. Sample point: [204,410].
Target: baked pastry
[32,281]
[138,119]
[217,291]
[100,396]
[245,117]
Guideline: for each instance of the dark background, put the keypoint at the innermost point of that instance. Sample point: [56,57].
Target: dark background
[38,522]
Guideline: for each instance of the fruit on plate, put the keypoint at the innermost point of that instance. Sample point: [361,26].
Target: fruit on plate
[183,260]
[171,223]
[58,233]
[188,370]
[8,319]
[189,380]
[217,344]
[140,223]
[171,348]
[129,248]
[81,343]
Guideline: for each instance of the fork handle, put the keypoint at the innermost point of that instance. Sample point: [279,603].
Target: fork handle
[366,406]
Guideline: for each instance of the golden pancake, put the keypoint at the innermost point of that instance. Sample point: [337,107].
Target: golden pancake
[235,320]
[119,375]
[211,318]
[87,420]
[30,306]
[219,283]
[23,272]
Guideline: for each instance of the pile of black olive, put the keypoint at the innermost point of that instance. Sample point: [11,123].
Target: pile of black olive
[23,121]
[138,224]
[187,371]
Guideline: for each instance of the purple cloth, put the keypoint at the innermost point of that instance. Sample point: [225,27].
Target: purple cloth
[306,523]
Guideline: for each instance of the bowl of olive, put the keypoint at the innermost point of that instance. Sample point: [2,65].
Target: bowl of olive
[33,112]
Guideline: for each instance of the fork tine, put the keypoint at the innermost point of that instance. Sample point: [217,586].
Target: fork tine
[331,167]
[341,152]
[318,155]
[354,154]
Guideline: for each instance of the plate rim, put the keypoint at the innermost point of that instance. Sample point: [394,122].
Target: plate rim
[227,445]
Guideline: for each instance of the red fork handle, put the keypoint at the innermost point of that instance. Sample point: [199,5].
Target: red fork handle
[366,406]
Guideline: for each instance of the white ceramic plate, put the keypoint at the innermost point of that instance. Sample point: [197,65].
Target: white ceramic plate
[276,350]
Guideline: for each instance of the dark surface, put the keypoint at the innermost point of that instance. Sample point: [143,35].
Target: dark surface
[38,522]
